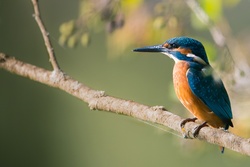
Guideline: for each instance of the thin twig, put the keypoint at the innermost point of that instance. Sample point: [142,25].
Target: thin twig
[98,100]
[45,35]
[203,17]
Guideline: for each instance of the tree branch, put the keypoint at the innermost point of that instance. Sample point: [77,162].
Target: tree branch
[203,17]
[45,35]
[100,101]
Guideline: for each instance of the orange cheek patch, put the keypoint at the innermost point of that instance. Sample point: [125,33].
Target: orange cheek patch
[165,45]
[183,51]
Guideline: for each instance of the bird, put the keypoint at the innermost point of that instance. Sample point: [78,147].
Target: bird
[196,84]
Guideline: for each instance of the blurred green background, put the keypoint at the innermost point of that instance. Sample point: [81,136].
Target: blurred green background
[42,126]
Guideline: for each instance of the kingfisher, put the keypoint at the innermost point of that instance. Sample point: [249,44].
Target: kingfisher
[196,85]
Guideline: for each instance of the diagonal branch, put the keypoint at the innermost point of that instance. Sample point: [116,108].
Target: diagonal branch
[98,100]
[45,35]
[203,17]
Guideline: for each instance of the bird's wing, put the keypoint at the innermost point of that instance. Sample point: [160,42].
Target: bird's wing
[210,89]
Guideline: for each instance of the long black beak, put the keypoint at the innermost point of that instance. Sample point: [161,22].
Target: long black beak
[155,48]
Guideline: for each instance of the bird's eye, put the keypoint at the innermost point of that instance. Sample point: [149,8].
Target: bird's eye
[170,45]
[173,45]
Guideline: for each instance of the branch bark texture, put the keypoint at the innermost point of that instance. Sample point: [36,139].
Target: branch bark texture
[100,101]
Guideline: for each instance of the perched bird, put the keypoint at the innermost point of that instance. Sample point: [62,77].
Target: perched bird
[196,85]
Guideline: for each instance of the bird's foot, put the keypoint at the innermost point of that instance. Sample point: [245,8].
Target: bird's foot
[182,124]
[198,128]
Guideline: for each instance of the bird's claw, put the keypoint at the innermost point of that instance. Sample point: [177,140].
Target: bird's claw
[183,122]
[197,129]
[182,125]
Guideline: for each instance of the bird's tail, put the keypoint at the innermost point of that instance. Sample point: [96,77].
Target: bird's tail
[222,149]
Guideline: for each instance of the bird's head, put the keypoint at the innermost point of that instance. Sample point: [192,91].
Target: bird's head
[180,48]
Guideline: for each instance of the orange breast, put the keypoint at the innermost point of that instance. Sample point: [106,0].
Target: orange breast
[189,100]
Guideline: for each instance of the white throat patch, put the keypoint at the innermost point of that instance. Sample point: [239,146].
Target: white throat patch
[196,58]
[171,56]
